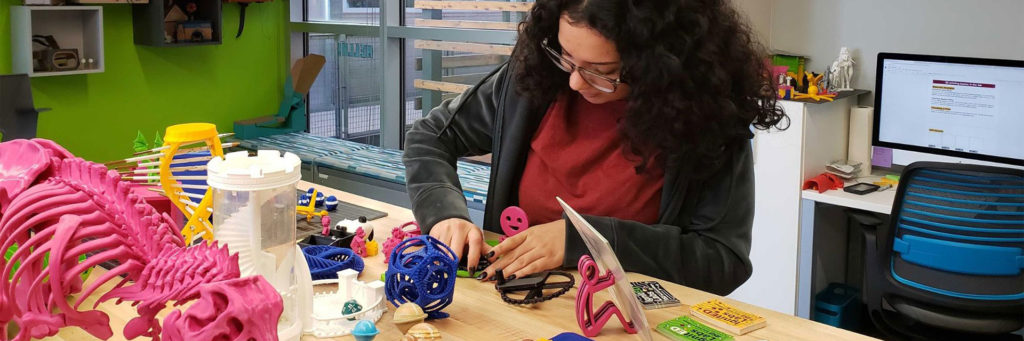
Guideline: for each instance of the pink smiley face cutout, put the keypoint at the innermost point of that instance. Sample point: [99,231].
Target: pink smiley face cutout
[513,221]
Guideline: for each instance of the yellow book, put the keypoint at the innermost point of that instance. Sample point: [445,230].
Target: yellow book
[727,317]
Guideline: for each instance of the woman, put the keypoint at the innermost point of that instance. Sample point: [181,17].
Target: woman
[636,113]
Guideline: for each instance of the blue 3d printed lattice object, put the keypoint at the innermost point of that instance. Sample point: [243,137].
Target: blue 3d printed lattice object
[425,276]
[325,261]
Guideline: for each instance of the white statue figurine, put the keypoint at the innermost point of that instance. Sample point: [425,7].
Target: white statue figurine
[841,71]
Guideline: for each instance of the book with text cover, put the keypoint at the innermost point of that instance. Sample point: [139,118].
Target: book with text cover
[722,315]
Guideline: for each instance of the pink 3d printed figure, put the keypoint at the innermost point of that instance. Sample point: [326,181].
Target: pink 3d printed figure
[56,207]
[398,234]
[358,244]
[513,221]
[591,321]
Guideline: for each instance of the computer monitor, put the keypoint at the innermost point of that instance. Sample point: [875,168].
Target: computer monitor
[954,106]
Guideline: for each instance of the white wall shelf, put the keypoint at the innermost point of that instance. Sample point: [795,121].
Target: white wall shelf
[74,27]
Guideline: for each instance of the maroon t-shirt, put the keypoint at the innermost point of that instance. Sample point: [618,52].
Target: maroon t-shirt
[576,154]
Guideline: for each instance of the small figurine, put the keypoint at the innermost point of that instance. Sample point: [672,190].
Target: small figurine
[358,244]
[813,90]
[841,78]
[351,307]
[365,331]
[331,203]
[325,221]
[422,332]
[372,247]
[591,321]
[304,200]
[319,199]
[407,315]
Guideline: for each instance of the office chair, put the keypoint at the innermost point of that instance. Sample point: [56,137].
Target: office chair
[18,115]
[948,265]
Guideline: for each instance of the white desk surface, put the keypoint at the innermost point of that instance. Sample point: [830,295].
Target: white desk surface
[880,202]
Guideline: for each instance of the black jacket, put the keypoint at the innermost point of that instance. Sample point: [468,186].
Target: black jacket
[701,240]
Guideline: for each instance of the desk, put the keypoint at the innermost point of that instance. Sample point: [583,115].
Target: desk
[878,202]
[478,313]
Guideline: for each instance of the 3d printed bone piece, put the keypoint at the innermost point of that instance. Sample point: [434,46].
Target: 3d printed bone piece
[57,207]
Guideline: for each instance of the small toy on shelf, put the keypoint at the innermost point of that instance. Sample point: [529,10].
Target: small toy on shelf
[513,221]
[422,271]
[841,72]
[813,90]
[422,332]
[319,199]
[534,288]
[407,315]
[304,200]
[365,331]
[331,203]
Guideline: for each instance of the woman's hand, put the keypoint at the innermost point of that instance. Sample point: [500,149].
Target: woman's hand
[539,248]
[457,233]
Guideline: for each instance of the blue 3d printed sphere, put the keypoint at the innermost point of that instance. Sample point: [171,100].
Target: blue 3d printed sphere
[425,276]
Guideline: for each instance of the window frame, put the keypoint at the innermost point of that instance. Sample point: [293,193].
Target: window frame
[392,33]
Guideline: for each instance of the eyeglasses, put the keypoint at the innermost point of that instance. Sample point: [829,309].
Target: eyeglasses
[594,78]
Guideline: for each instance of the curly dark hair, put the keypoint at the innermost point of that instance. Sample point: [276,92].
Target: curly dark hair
[698,78]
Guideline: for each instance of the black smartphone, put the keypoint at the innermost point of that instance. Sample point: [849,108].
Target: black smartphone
[861,188]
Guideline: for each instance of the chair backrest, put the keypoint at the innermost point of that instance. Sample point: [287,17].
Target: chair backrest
[958,231]
[18,114]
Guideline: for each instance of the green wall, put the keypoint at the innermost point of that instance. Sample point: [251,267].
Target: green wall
[96,116]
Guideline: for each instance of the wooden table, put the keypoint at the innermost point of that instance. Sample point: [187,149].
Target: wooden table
[478,313]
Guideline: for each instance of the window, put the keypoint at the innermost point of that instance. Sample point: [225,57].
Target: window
[390,62]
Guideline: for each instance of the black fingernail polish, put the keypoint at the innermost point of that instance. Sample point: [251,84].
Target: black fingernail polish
[489,254]
[481,276]
[511,277]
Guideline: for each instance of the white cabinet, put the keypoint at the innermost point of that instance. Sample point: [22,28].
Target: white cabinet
[73,27]
[782,160]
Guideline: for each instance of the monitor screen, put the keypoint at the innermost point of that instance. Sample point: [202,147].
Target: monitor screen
[962,107]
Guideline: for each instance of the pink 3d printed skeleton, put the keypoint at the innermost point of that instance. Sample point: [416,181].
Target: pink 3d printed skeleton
[56,207]
[398,234]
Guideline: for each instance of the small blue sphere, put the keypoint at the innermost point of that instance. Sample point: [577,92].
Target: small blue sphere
[304,200]
[331,203]
[319,199]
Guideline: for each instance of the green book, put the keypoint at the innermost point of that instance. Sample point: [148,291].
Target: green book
[684,328]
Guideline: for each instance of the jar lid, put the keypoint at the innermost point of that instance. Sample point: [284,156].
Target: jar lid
[240,172]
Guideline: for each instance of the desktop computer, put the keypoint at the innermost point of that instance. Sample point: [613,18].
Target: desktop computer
[951,109]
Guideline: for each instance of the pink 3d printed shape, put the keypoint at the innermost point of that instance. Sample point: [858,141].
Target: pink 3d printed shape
[513,221]
[591,321]
[398,234]
[358,244]
[57,207]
